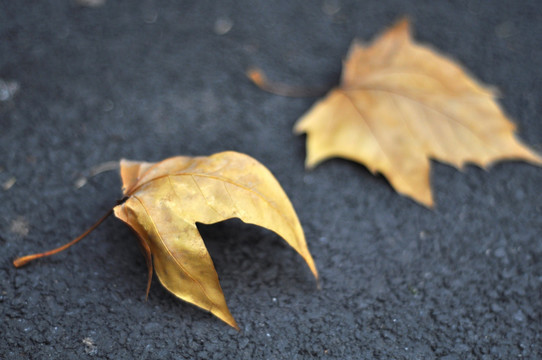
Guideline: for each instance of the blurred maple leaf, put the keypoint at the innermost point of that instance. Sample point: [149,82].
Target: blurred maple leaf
[400,104]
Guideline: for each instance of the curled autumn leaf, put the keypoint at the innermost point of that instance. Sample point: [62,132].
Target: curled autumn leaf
[164,200]
[401,104]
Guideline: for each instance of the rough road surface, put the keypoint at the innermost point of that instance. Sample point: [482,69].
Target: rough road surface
[145,80]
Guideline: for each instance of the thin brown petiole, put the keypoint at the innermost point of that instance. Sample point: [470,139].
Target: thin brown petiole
[26,259]
[260,80]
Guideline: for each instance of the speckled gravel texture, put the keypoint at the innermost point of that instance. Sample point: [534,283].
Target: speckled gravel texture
[146,80]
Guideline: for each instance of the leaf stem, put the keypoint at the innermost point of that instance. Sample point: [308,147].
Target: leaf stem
[260,80]
[21,261]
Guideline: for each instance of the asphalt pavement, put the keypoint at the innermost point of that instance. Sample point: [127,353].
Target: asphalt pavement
[82,86]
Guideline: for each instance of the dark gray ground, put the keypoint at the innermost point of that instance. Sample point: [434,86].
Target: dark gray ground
[146,81]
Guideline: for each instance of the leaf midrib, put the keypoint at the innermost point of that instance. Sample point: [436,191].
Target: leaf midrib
[171,255]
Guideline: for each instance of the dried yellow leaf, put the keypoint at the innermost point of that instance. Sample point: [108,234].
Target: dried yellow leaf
[400,104]
[166,199]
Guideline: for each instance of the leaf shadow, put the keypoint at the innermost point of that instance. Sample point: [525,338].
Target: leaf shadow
[248,256]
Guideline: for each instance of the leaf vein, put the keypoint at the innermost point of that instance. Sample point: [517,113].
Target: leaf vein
[368,123]
[171,255]
[417,101]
